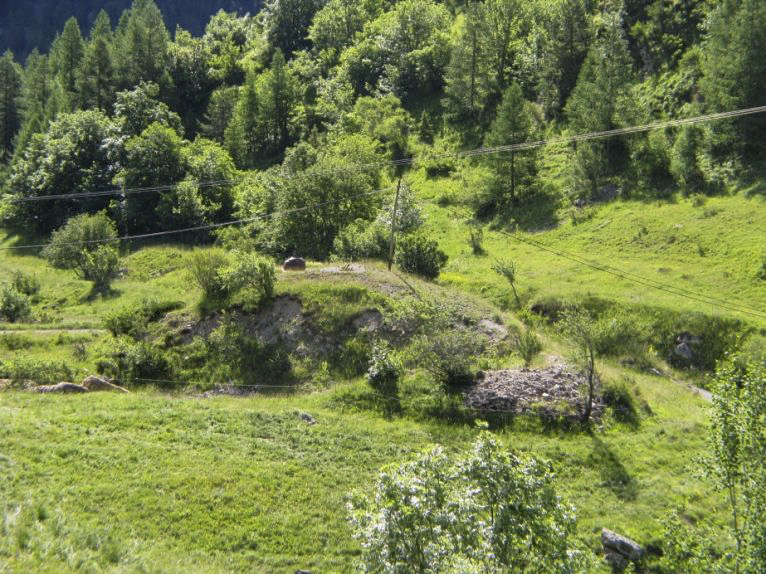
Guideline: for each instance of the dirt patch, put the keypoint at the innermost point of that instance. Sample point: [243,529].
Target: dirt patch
[495,332]
[519,391]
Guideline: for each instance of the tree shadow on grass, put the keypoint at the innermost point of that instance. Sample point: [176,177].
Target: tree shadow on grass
[95,294]
[613,473]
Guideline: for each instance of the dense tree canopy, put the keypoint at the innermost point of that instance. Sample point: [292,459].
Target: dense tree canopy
[286,94]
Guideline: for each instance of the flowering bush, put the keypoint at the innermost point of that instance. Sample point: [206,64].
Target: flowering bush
[486,511]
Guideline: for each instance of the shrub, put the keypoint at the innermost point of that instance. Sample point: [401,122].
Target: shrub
[419,255]
[23,369]
[621,400]
[206,267]
[252,273]
[133,321]
[448,356]
[361,240]
[529,346]
[29,285]
[140,363]
[476,239]
[353,358]
[101,267]
[383,374]
[15,342]
[14,306]
[484,511]
[82,245]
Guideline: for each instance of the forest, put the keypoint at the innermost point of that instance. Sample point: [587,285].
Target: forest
[305,87]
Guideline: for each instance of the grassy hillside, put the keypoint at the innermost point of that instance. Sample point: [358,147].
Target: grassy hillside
[126,483]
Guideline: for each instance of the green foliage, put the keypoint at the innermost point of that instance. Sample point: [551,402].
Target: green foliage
[582,332]
[528,346]
[140,107]
[14,305]
[137,363]
[206,268]
[483,511]
[133,321]
[621,399]
[514,171]
[253,274]
[361,240]
[10,114]
[384,371]
[230,356]
[26,283]
[76,154]
[417,254]
[735,462]
[449,355]
[83,245]
[22,369]
[507,270]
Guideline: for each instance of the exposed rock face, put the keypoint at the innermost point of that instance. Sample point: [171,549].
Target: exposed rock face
[621,546]
[60,388]
[522,390]
[94,383]
[685,344]
[294,264]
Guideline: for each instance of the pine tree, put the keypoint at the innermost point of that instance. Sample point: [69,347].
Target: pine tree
[735,66]
[278,100]
[466,76]
[512,125]
[95,81]
[141,47]
[567,45]
[601,87]
[10,91]
[244,133]
[67,53]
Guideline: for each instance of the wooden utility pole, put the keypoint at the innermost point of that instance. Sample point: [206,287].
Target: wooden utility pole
[393,225]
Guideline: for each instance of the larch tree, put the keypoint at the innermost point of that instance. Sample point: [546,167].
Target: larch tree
[10,92]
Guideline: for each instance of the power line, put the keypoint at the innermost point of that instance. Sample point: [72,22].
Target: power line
[415,159]
[627,276]
[201,227]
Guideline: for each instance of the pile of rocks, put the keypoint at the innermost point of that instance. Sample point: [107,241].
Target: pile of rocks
[522,390]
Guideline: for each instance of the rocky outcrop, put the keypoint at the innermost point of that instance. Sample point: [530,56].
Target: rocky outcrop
[64,388]
[94,384]
[619,550]
[523,390]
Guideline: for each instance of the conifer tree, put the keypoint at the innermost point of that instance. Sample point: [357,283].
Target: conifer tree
[512,125]
[67,53]
[735,66]
[244,133]
[10,91]
[603,82]
[95,81]
[141,46]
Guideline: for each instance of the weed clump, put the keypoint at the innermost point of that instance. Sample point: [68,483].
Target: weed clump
[448,356]
[14,306]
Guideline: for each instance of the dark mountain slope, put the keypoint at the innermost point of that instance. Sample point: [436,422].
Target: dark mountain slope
[27,25]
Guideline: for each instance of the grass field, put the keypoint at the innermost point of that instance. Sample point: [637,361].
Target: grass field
[157,482]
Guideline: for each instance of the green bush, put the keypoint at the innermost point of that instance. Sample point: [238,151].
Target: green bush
[352,359]
[139,363]
[29,285]
[15,342]
[252,273]
[206,267]
[133,321]
[383,374]
[449,356]
[419,255]
[529,346]
[14,306]
[620,398]
[23,369]
[361,240]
